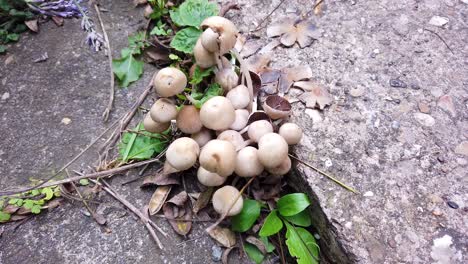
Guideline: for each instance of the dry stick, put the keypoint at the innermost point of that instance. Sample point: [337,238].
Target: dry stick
[148,222]
[435,33]
[326,175]
[93,214]
[281,249]
[106,113]
[210,228]
[265,18]
[105,173]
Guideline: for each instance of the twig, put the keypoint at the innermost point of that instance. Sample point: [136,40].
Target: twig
[106,113]
[435,33]
[228,6]
[281,249]
[149,224]
[105,173]
[184,220]
[326,175]
[265,18]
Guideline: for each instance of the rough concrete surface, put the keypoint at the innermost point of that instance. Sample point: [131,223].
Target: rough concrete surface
[396,131]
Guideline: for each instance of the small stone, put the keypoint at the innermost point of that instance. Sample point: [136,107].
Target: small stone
[216,253]
[424,107]
[445,102]
[438,21]
[437,212]
[395,125]
[315,115]
[397,83]
[66,120]
[415,86]
[441,158]
[462,148]
[348,225]
[5,96]
[368,194]
[424,119]
[357,92]
[452,204]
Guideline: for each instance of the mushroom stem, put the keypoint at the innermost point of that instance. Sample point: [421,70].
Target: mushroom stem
[246,73]
[190,98]
[213,226]
[219,63]
[245,144]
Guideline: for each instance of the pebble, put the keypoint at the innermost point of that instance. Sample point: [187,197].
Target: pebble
[5,96]
[397,83]
[216,253]
[395,125]
[424,119]
[357,92]
[423,107]
[437,212]
[368,194]
[462,148]
[438,21]
[452,204]
[446,103]
[415,87]
[66,120]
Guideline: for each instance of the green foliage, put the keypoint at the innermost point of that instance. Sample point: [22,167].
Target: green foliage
[300,219]
[212,91]
[272,224]
[185,39]
[193,12]
[254,253]
[4,217]
[159,9]
[292,204]
[199,74]
[301,245]
[13,14]
[160,29]
[268,246]
[84,182]
[128,68]
[135,146]
[3,49]
[247,217]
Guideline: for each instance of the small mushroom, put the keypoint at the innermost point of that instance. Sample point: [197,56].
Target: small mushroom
[217,113]
[182,153]
[259,128]
[188,119]
[224,198]
[204,58]
[169,82]
[218,156]
[242,116]
[227,78]
[247,162]
[277,107]
[225,28]
[272,150]
[291,132]
[234,137]
[239,97]
[154,127]
[163,110]
[209,40]
[202,137]
[208,178]
[281,169]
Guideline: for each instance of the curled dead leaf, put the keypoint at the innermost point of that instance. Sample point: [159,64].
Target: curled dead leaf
[257,63]
[292,31]
[315,95]
[258,243]
[291,75]
[178,213]
[32,25]
[157,54]
[158,199]
[203,200]
[225,257]
[224,236]
[160,178]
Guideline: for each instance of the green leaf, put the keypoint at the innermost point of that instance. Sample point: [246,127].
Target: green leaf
[300,219]
[247,217]
[301,245]
[28,204]
[269,246]
[12,37]
[136,42]
[159,29]
[213,90]
[19,202]
[199,74]
[174,57]
[49,194]
[84,182]
[4,217]
[272,225]
[3,49]
[35,192]
[254,253]
[185,39]
[36,209]
[292,204]
[127,69]
[5,5]
[142,147]
[193,12]
[13,201]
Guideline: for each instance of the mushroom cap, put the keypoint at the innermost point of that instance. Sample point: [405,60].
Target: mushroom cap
[281,169]
[234,137]
[225,28]
[163,110]
[218,156]
[242,116]
[259,128]
[272,150]
[202,137]
[154,127]
[182,153]
[208,178]
[291,132]
[209,40]
[247,162]
[188,119]
[224,197]
[169,82]
[217,113]
[277,107]
[239,96]
[203,58]
[227,78]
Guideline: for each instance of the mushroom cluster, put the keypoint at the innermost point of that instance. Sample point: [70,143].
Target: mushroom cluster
[222,135]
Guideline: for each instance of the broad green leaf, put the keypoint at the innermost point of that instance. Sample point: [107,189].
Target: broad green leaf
[28,204]
[136,42]
[272,225]
[5,5]
[254,253]
[35,192]
[174,57]
[193,12]
[292,204]
[199,74]
[19,202]
[84,182]
[127,69]
[36,209]
[143,147]
[159,29]
[4,217]
[301,245]
[247,217]
[13,201]
[3,49]
[300,219]
[185,39]
[268,245]
[12,37]
[39,202]
[212,91]
[49,194]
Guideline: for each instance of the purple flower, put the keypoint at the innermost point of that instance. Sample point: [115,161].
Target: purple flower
[60,8]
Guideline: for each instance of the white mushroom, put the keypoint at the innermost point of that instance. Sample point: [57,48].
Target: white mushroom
[259,128]
[203,58]
[154,127]
[202,137]
[224,198]
[281,169]
[291,132]
[242,117]
[163,110]
[247,162]
[217,113]
[182,153]
[169,82]
[234,137]
[239,97]
[272,150]
[218,156]
[188,119]
[208,178]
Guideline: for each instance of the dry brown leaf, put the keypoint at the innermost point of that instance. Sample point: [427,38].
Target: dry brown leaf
[291,75]
[203,200]
[58,20]
[139,2]
[32,25]
[258,243]
[224,236]
[18,217]
[270,75]
[178,207]
[225,257]
[160,178]
[257,63]
[156,54]
[250,47]
[291,31]
[158,199]
[270,46]
[316,95]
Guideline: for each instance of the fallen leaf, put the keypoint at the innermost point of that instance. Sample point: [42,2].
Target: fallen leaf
[42,58]
[250,47]
[270,75]
[10,209]
[257,63]
[58,20]
[139,2]
[225,257]
[18,217]
[179,199]
[224,236]
[160,178]
[258,243]
[270,46]
[156,54]
[270,88]
[100,219]
[158,199]
[32,25]
[178,207]
[292,31]
[203,200]
[317,96]
[291,75]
